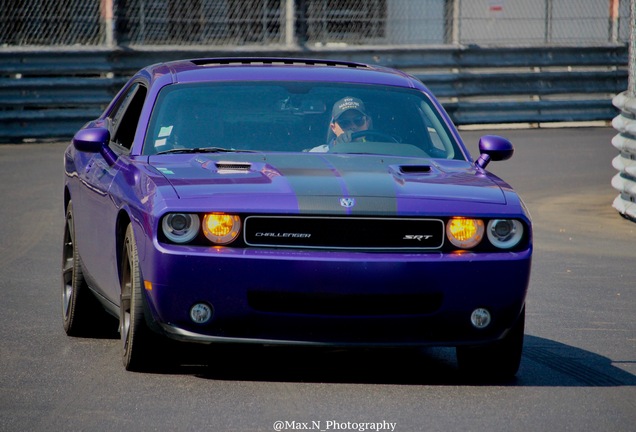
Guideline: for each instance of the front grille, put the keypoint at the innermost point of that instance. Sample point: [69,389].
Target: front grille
[344,232]
[341,304]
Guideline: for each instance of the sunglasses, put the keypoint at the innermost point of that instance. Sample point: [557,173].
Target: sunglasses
[357,121]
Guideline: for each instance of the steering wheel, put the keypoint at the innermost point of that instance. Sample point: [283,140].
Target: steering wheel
[379,136]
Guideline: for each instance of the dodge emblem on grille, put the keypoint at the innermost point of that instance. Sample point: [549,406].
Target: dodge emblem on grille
[347,202]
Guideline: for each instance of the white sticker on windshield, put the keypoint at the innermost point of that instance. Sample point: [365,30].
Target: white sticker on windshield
[165,131]
[160,142]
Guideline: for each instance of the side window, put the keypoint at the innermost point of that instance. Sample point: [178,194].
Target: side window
[126,115]
[442,145]
[436,141]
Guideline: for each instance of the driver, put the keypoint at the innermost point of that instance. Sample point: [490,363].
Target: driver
[348,116]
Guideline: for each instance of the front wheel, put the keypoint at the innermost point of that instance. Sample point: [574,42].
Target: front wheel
[499,360]
[138,341]
[81,312]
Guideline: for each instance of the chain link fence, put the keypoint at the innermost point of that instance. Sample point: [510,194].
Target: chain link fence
[311,23]
[50,23]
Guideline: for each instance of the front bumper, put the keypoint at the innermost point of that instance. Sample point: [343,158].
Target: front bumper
[275,296]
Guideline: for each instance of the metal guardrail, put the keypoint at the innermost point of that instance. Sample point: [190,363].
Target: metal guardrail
[625,162]
[50,94]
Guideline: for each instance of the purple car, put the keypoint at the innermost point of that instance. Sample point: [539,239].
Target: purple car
[292,202]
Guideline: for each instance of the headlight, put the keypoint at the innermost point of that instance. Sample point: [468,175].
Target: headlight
[465,233]
[221,228]
[505,233]
[180,227]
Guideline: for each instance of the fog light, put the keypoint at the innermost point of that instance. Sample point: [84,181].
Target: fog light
[201,313]
[480,318]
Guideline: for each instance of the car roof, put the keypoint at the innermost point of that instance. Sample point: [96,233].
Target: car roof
[280,69]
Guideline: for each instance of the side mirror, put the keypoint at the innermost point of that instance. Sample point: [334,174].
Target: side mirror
[95,140]
[493,148]
[91,140]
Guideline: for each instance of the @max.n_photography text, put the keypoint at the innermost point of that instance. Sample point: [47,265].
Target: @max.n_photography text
[332,425]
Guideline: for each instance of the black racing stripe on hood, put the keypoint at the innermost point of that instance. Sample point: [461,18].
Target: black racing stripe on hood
[323,180]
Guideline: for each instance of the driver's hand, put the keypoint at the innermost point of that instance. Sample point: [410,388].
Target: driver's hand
[344,137]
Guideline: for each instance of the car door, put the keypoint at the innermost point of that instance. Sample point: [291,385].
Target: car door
[96,230]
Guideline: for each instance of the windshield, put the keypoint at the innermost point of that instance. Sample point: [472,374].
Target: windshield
[298,117]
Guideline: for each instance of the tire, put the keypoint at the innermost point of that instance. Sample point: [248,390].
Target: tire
[81,312]
[499,360]
[139,343]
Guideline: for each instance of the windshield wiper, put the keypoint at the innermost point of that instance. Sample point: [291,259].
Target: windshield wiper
[203,150]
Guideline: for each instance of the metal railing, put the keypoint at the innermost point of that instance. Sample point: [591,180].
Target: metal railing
[47,94]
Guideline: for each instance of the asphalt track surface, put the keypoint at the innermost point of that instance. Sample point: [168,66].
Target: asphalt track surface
[578,371]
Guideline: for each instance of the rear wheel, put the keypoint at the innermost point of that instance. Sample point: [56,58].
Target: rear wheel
[81,312]
[499,360]
[138,341]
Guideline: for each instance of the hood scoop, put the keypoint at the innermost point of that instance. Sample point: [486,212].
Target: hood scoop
[411,170]
[414,169]
[226,167]
[413,173]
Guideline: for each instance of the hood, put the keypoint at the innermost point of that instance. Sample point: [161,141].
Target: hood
[317,183]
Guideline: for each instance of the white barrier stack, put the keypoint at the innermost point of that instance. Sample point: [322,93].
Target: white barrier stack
[625,162]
